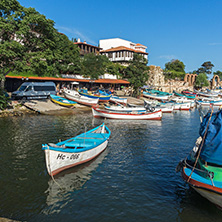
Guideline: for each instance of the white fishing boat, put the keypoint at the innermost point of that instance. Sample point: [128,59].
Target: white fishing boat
[125,108]
[117,99]
[182,106]
[156,96]
[208,93]
[209,102]
[165,107]
[179,99]
[77,150]
[75,96]
[99,113]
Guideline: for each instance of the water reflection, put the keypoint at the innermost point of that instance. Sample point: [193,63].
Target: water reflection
[61,189]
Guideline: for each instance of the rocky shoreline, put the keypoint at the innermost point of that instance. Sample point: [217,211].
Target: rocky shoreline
[15,109]
[20,108]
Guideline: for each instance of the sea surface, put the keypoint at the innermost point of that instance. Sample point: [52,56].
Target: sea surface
[134,179]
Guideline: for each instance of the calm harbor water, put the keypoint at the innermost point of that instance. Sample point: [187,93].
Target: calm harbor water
[133,180]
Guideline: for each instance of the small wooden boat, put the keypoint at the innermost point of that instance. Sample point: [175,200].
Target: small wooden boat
[117,99]
[125,108]
[188,93]
[209,102]
[180,100]
[103,97]
[182,95]
[77,150]
[156,96]
[75,96]
[62,101]
[183,106]
[165,107]
[99,113]
[208,93]
[202,169]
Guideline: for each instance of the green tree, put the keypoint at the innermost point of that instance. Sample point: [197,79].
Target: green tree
[137,72]
[206,67]
[201,80]
[30,43]
[175,65]
[219,73]
[93,65]
[174,69]
[115,69]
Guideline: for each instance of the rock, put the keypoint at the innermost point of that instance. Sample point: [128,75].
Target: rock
[157,81]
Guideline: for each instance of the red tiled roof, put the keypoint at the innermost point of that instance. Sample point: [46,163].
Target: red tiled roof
[111,81]
[83,43]
[123,48]
[138,44]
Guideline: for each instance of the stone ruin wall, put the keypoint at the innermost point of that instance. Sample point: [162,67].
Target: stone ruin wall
[157,81]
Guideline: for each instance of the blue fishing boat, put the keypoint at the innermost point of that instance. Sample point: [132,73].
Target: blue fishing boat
[62,101]
[76,150]
[202,169]
[101,95]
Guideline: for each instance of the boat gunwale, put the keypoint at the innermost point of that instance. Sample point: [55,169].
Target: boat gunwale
[75,149]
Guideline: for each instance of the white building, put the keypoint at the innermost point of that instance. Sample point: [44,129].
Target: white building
[120,50]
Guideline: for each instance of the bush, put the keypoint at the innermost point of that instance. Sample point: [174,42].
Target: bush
[3,100]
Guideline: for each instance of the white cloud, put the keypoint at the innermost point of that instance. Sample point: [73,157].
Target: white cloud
[168,57]
[77,34]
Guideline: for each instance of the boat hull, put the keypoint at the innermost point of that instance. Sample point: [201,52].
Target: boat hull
[63,102]
[118,100]
[94,96]
[157,115]
[57,161]
[81,99]
[156,97]
[125,109]
[210,192]
[209,103]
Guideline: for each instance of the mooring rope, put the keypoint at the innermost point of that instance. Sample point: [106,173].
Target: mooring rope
[199,150]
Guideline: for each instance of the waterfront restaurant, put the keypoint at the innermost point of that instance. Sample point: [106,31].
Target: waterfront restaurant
[13,82]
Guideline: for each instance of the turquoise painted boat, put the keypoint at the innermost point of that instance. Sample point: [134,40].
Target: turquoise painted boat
[76,150]
[102,96]
[202,169]
[153,91]
[182,95]
[62,101]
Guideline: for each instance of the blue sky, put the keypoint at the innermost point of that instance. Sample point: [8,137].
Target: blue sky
[188,30]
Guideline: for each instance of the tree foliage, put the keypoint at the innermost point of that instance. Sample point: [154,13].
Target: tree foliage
[175,65]
[206,67]
[219,73]
[93,65]
[174,69]
[137,72]
[29,42]
[201,80]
